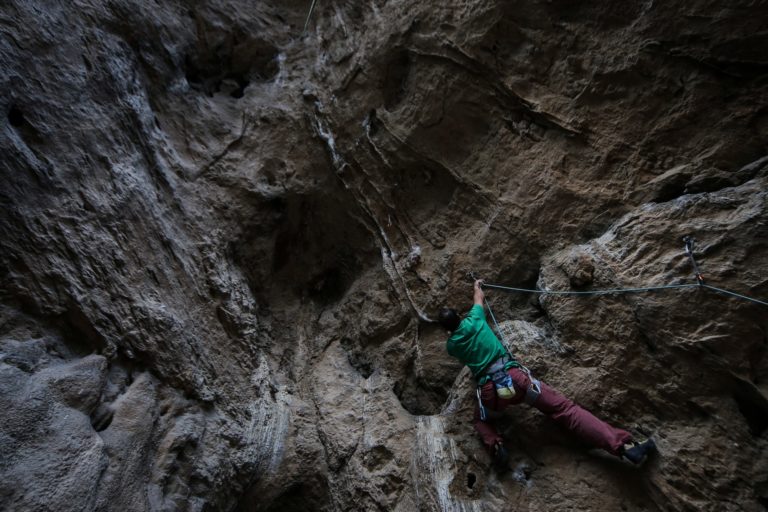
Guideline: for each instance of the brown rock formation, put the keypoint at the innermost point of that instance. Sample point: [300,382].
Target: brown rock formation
[223,241]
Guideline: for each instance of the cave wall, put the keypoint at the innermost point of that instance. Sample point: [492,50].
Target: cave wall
[224,241]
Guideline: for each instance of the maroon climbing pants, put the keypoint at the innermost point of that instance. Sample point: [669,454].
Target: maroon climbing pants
[581,422]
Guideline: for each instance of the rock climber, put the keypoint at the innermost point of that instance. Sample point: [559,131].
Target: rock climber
[502,381]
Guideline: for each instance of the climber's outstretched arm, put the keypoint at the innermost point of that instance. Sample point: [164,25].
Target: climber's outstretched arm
[479,295]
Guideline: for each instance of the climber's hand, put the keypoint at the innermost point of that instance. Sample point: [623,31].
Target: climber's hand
[500,456]
[479,296]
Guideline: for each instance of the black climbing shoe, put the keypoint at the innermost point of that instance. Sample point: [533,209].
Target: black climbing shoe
[636,453]
[500,457]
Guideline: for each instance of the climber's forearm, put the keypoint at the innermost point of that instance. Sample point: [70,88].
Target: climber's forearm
[479,296]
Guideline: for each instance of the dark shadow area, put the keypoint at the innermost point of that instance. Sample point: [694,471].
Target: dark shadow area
[377,457]
[16,117]
[752,405]
[300,498]
[423,190]
[79,332]
[471,479]
[329,285]
[419,399]
[361,363]
[19,121]
[312,247]
[101,418]
[525,306]
[396,71]
[425,385]
[227,63]
[311,495]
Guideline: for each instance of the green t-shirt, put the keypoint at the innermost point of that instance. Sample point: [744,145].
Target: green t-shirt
[475,344]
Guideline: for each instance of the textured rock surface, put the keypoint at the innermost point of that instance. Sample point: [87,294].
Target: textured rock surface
[223,240]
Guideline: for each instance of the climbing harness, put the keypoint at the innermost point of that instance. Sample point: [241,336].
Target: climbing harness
[504,385]
[502,382]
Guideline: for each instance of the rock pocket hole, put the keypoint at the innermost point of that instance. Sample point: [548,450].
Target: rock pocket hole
[16,117]
[321,249]
[361,364]
[314,249]
[471,479]
[25,129]
[229,63]
[102,417]
[753,406]
[396,78]
[426,382]
[418,397]
[377,457]
[307,496]
[328,286]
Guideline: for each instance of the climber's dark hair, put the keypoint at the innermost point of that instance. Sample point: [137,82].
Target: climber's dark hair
[449,319]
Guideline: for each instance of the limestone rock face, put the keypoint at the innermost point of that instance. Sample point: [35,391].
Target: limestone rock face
[225,239]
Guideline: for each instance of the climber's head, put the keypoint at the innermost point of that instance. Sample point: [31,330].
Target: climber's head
[449,319]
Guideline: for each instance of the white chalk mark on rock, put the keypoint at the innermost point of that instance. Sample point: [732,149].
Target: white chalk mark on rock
[435,456]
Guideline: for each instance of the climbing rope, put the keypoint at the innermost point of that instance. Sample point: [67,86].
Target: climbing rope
[728,292]
[503,338]
[493,317]
[309,15]
[687,240]
[592,292]
[498,329]
[625,290]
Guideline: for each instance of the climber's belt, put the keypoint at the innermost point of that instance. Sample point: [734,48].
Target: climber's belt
[505,387]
